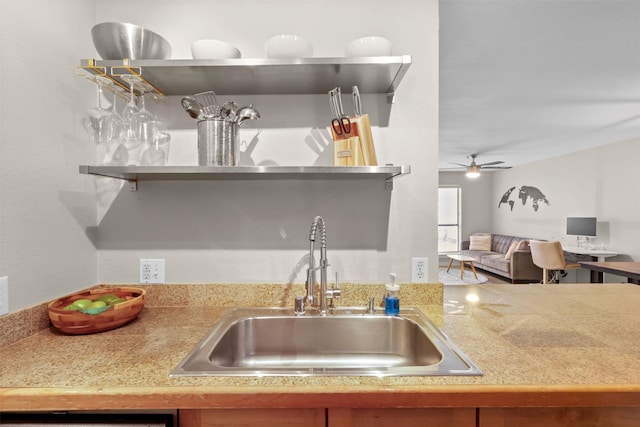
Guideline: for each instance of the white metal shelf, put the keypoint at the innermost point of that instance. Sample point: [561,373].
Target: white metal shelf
[380,74]
[135,174]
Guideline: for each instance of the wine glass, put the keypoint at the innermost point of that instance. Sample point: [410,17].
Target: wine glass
[144,120]
[117,117]
[99,122]
[131,108]
[129,134]
[156,151]
[110,155]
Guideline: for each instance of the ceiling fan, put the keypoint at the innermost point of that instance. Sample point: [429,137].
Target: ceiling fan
[473,169]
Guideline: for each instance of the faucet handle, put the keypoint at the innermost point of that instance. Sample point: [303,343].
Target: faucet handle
[311,300]
[335,292]
[372,305]
[299,305]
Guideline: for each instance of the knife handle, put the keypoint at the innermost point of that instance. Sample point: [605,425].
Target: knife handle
[357,103]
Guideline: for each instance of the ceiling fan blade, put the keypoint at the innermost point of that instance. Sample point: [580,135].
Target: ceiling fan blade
[491,163]
[454,168]
[459,164]
[495,167]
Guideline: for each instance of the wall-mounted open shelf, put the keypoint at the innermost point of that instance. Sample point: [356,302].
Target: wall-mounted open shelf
[135,174]
[260,76]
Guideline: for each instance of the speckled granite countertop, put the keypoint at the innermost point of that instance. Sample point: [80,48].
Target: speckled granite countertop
[538,345]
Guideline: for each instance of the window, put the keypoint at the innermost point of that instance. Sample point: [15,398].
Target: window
[448,220]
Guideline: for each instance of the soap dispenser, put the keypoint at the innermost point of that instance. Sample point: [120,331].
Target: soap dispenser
[392,297]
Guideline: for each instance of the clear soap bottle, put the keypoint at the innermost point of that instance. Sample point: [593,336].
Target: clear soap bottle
[392,297]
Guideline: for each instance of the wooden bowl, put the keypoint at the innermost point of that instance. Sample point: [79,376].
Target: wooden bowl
[78,323]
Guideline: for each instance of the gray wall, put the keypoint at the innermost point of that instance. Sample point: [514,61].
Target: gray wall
[257,232]
[45,206]
[61,231]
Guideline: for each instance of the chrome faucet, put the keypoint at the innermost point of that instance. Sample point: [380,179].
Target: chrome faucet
[312,299]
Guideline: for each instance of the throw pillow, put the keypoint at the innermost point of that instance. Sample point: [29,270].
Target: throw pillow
[512,249]
[480,243]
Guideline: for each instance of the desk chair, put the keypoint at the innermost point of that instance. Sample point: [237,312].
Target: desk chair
[549,256]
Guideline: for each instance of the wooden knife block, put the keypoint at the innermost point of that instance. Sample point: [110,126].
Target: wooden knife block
[347,152]
[358,149]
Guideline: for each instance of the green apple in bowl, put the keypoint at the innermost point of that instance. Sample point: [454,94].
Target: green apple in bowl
[78,304]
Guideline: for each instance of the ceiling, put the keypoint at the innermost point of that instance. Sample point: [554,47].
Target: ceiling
[525,80]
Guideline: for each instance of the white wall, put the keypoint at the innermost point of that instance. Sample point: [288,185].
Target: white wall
[600,182]
[258,231]
[55,238]
[45,205]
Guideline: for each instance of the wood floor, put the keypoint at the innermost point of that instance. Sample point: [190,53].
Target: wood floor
[494,278]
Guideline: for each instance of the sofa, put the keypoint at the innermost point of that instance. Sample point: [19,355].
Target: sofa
[507,256]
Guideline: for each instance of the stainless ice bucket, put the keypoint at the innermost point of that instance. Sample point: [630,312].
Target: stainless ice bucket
[217,142]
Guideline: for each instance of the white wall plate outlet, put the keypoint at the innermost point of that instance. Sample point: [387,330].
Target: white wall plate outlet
[151,270]
[4,295]
[419,270]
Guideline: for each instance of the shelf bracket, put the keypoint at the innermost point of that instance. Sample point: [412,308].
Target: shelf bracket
[133,184]
[406,62]
[391,98]
[388,183]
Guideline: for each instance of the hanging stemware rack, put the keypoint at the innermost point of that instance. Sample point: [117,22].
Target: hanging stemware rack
[115,74]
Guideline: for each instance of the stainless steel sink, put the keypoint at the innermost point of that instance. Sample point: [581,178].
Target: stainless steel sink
[259,342]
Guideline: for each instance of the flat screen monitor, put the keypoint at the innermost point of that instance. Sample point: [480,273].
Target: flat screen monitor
[581,226]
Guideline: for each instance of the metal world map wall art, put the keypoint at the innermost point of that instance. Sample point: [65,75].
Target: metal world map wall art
[525,194]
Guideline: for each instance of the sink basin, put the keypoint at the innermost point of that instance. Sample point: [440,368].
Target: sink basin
[260,342]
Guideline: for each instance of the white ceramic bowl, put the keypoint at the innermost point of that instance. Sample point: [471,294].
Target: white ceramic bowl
[369,46]
[288,46]
[213,49]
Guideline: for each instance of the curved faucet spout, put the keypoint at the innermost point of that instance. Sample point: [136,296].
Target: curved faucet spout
[318,226]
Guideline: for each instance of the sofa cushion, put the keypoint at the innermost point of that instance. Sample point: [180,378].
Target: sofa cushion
[497,261]
[512,249]
[524,246]
[476,255]
[500,243]
[480,243]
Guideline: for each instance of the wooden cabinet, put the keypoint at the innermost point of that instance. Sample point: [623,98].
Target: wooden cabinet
[559,417]
[338,417]
[410,417]
[413,417]
[252,418]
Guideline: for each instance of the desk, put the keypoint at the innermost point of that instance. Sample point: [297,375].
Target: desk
[596,255]
[599,254]
[630,270]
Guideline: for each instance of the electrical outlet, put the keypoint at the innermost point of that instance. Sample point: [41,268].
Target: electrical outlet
[4,295]
[419,270]
[151,271]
